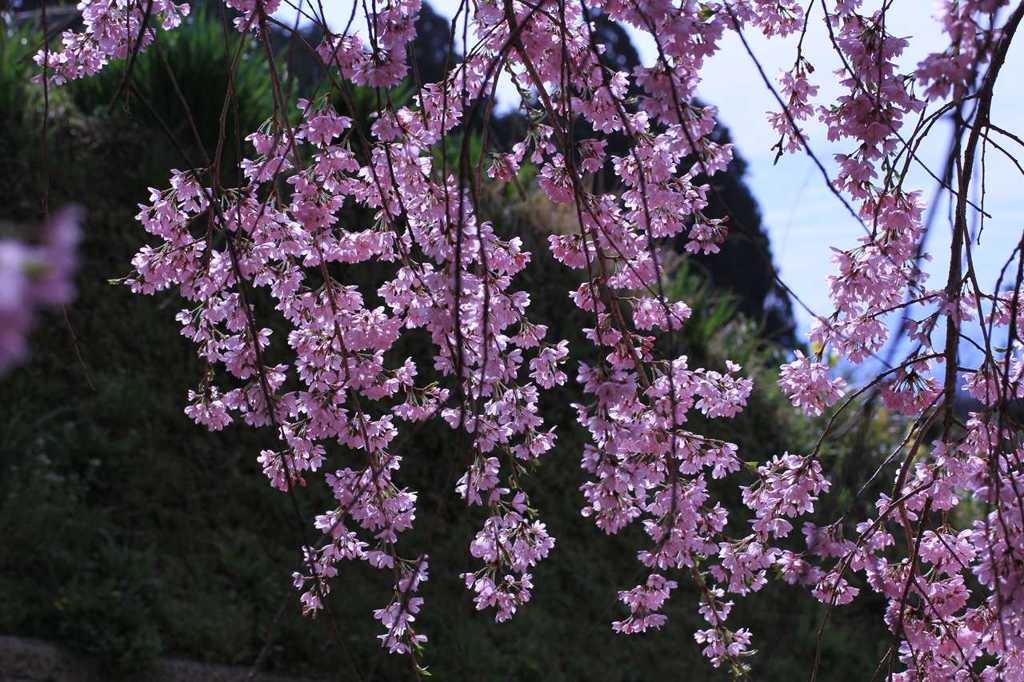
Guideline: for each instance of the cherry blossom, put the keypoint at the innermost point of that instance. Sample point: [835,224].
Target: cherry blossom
[34,275]
[341,394]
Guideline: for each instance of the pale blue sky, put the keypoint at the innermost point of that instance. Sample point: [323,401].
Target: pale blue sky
[803,218]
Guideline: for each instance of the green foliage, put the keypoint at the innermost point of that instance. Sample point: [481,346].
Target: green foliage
[16,70]
[80,584]
[180,81]
[22,104]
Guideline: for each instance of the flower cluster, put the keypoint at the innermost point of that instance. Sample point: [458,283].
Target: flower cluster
[452,278]
[111,29]
[336,392]
[951,581]
[34,275]
[808,386]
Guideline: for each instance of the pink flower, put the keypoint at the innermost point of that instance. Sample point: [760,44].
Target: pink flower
[33,276]
[808,386]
